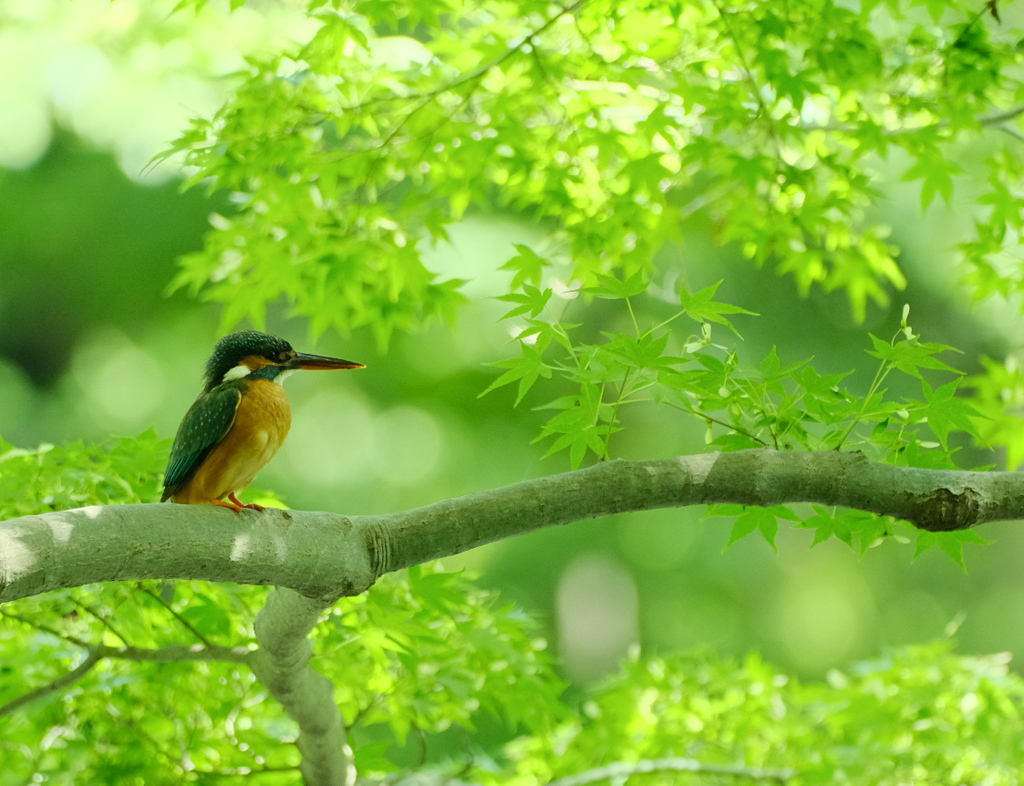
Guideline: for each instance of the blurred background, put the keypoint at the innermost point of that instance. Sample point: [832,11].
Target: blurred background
[93,347]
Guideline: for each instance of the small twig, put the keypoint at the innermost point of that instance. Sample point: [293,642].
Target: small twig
[176,653]
[755,88]
[729,426]
[1001,117]
[99,618]
[184,622]
[615,410]
[97,652]
[625,769]
[246,771]
[994,119]
[46,629]
[427,97]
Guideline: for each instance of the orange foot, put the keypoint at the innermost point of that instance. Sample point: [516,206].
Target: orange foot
[251,505]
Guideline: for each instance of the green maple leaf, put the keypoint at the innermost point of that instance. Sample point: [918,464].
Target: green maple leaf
[702,307]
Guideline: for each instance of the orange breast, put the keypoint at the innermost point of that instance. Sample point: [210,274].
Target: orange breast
[261,424]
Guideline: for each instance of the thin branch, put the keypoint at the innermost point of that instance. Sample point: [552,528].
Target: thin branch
[53,685]
[426,97]
[169,654]
[615,408]
[184,622]
[985,121]
[711,419]
[176,653]
[97,652]
[99,618]
[755,88]
[625,769]
[247,771]
[1001,117]
[44,628]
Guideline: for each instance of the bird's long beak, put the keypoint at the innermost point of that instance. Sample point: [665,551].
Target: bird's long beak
[320,362]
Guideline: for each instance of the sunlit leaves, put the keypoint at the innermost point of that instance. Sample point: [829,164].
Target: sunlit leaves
[525,370]
[999,398]
[918,714]
[775,403]
[425,651]
[702,307]
[430,651]
[53,477]
[592,121]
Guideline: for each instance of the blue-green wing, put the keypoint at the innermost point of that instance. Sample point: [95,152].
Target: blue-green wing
[205,424]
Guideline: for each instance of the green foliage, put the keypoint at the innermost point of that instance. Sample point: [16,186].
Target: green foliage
[614,129]
[427,651]
[125,721]
[420,653]
[350,156]
[998,397]
[352,153]
[54,477]
[919,715]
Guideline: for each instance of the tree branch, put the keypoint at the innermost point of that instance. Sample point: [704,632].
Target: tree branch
[176,653]
[327,555]
[97,652]
[52,686]
[627,768]
[314,558]
[996,118]
[283,664]
[184,622]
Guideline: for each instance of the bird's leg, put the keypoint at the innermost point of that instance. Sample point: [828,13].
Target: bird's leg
[241,504]
[221,503]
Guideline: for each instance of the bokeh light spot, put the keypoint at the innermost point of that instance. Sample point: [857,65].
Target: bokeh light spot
[408,446]
[332,433]
[123,386]
[597,615]
[823,614]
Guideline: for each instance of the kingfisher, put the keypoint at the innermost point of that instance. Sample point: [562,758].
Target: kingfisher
[239,420]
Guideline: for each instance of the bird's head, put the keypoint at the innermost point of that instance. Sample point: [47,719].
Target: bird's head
[262,356]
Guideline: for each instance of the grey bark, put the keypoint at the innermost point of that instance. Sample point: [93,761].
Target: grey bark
[327,555]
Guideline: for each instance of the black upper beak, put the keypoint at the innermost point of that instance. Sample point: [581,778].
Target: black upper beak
[320,362]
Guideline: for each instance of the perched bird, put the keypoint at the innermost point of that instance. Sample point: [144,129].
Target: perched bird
[239,420]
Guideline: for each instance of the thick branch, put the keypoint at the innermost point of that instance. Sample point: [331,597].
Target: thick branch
[283,664]
[325,555]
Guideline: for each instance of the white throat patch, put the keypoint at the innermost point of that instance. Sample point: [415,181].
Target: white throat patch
[239,371]
[282,375]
